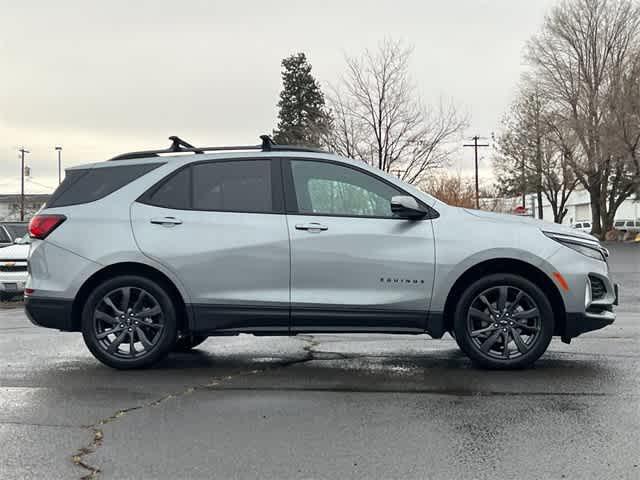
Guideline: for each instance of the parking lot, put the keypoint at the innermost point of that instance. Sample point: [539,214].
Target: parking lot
[323,406]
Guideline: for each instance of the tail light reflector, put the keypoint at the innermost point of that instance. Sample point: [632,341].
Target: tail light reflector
[43,224]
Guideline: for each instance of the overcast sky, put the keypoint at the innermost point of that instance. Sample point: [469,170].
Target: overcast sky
[103,77]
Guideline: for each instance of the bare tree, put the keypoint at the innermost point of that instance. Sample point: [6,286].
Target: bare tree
[453,190]
[378,116]
[534,153]
[578,58]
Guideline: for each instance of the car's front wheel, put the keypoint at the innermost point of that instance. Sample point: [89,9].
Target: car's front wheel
[129,322]
[503,321]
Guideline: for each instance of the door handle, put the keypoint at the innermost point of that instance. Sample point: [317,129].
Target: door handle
[312,227]
[166,221]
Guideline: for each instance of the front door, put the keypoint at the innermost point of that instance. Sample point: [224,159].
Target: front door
[219,226]
[354,266]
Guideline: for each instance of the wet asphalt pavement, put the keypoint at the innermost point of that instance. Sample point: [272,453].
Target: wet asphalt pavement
[324,406]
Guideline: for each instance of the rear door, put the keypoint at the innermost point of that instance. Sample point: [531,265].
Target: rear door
[220,227]
[354,266]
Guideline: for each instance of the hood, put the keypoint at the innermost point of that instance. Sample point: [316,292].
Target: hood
[14,252]
[541,224]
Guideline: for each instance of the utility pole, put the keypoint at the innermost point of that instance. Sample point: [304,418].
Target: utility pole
[475,146]
[22,152]
[59,150]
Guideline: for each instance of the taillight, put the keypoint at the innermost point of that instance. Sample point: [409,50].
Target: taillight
[42,225]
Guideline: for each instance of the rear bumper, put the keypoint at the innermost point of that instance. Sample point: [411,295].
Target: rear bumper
[50,313]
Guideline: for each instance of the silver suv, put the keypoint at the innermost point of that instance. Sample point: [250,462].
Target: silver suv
[154,251]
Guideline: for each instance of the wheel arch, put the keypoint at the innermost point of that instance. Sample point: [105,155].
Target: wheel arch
[512,266]
[130,268]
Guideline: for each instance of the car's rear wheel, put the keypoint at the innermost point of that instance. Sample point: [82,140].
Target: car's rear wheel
[503,321]
[185,343]
[129,322]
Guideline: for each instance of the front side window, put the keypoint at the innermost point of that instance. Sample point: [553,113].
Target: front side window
[329,189]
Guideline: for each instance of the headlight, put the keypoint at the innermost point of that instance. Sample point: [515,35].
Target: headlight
[590,248]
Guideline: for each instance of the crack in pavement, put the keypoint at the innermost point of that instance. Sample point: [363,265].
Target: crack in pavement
[93,471]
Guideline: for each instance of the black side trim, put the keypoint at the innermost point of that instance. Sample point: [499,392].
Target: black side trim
[578,323]
[50,313]
[209,318]
[353,319]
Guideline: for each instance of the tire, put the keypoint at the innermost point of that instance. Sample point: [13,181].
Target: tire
[113,322]
[188,342]
[524,318]
[454,336]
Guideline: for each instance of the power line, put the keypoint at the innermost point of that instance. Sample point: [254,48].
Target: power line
[475,146]
[22,152]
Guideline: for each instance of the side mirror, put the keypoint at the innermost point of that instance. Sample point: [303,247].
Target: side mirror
[17,240]
[408,207]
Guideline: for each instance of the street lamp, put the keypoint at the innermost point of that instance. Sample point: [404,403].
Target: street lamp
[22,151]
[59,150]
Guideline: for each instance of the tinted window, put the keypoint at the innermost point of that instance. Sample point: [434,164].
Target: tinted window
[619,224]
[578,225]
[16,230]
[241,186]
[174,192]
[587,225]
[630,224]
[330,189]
[4,238]
[88,185]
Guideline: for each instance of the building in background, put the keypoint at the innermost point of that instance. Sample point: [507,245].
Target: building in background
[578,207]
[10,205]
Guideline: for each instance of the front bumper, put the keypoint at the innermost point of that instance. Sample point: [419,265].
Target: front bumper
[50,313]
[12,282]
[579,323]
[599,314]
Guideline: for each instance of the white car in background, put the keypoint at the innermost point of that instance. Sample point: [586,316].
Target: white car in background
[632,226]
[582,226]
[13,268]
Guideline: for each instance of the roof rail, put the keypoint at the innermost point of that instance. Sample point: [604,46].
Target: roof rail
[180,146]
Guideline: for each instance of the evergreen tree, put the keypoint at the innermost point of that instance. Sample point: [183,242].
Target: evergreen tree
[302,119]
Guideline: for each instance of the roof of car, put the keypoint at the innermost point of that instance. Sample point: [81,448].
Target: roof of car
[179,145]
[181,152]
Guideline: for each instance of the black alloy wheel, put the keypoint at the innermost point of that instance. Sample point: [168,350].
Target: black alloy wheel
[129,322]
[503,321]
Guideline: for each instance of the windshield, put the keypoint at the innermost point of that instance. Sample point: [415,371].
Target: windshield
[16,230]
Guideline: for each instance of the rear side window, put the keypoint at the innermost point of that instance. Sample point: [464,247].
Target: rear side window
[220,186]
[88,185]
[233,186]
[578,225]
[4,237]
[173,193]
